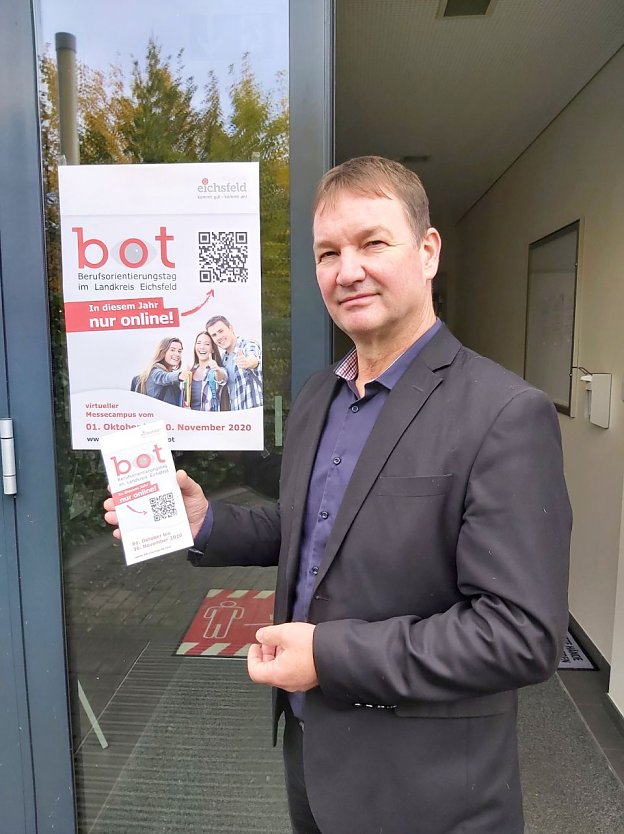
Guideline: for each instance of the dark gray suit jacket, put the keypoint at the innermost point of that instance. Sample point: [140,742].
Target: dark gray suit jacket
[443,588]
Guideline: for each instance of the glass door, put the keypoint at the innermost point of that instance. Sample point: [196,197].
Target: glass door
[157,738]
[161,738]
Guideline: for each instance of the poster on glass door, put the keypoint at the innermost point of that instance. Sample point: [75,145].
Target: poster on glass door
[161,286]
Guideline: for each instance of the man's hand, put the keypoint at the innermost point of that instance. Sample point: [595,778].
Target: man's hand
[246,363]
[284,657]
[195,504]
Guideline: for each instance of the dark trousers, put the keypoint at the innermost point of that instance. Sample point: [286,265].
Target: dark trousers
[298,806]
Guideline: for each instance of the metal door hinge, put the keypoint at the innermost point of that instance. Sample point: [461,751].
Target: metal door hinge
[7,451]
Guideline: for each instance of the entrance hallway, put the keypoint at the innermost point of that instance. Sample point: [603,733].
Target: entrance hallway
[510,112]
[189,737]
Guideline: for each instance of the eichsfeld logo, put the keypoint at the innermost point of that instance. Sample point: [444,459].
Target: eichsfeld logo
[210,189]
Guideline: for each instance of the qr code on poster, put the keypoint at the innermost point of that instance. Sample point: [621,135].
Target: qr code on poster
[163,506]
[222,257]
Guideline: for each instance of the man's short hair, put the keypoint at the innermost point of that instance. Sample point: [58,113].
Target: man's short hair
[375,176]
[215,319]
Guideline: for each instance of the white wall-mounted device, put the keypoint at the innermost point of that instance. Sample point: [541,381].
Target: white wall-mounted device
[598,387]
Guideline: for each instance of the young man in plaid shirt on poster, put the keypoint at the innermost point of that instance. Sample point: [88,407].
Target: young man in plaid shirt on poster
[242,359]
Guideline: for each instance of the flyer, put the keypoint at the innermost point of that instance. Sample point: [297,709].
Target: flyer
[161,287]
[142,480]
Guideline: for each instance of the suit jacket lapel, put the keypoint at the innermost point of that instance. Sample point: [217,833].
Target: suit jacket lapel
[405,401]
[318,403]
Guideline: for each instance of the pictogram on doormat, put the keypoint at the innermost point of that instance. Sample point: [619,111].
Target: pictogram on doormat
[226,623]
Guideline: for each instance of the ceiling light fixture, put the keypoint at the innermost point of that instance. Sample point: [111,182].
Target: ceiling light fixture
[465,8]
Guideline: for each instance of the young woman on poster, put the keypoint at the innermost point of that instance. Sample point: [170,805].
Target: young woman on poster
[208,390]
[163,378]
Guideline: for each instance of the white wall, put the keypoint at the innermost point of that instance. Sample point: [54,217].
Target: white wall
[616,684]
[574,170]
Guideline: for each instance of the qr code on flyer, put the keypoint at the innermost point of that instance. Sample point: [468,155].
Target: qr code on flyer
[222,257]
[163,506]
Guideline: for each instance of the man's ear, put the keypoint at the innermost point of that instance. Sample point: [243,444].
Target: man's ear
[430,251]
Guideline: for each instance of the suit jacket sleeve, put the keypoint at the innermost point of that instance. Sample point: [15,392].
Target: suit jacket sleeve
[511,558]
[242,536]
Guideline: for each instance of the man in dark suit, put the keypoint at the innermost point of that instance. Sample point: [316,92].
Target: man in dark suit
[422,538]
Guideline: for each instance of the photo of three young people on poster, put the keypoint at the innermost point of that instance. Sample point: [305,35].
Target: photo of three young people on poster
[225,373]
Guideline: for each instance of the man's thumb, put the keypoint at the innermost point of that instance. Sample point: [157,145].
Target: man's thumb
[187,485]
[268,636]
[182,478]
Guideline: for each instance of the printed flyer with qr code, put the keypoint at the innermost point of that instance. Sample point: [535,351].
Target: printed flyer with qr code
[161,290]
[148,502]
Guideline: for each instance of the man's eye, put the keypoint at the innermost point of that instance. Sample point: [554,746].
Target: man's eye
[325,255]
[375,244]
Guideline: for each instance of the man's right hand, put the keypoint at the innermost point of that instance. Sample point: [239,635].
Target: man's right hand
[195,504]
[246,363]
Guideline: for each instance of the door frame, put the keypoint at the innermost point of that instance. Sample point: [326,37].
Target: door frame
[37,635]
[311,106]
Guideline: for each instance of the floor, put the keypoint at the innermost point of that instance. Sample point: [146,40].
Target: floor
[588,690]
[124,626]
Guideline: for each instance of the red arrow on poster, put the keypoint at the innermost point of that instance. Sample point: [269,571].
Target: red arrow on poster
[209,294]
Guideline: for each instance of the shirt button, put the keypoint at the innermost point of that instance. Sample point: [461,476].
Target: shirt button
[314,570]
[324,514]
[337,460]
[355,408]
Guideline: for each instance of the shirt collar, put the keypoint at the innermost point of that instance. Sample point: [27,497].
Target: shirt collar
[348,368]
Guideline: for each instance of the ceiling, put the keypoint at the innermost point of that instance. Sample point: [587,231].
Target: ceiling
[471,93]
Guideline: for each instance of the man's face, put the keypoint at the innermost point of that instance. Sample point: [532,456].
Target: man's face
[224,336]
[375,280]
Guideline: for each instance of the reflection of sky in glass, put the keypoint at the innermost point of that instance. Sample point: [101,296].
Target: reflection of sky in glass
[213,33]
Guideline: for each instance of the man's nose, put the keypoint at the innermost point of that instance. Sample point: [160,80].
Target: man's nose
[350,269]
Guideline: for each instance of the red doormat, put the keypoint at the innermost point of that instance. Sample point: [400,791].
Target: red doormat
[226,623]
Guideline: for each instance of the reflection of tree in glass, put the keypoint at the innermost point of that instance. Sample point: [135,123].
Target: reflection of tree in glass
[154,117]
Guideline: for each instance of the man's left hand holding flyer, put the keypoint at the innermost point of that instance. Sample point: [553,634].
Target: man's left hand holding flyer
[148,502]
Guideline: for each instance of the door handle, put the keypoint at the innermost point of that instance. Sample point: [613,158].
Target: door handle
[7,452]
